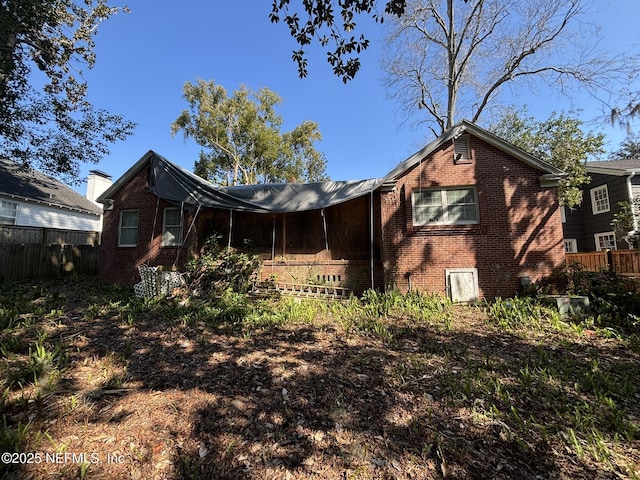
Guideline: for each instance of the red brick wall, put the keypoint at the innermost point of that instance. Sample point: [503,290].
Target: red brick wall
[519,231]
[120,264]
[352,274]
[347,225]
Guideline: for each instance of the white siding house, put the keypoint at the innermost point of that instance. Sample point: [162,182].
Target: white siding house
[30,214]
[32,199]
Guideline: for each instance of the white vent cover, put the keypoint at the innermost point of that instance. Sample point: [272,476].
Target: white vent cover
[462,284]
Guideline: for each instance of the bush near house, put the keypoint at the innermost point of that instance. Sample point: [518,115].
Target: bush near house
[614,298]
[218,268]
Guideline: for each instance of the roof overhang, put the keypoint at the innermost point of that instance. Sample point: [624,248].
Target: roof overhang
[550,177]
[179,186]
[44,203]
[106,198]
[618,172]
[550,180]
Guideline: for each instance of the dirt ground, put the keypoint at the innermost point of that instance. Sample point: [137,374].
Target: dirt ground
[150,398]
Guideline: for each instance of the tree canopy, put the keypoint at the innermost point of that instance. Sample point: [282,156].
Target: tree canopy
[322,22]
[560,141]
[629,148]
[446,60]
[52,126]
[242,139]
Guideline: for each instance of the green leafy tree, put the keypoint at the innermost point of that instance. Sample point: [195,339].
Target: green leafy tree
[629,149]
[54,127]
[626,221]
[560,141]
[326,23]
[242,139]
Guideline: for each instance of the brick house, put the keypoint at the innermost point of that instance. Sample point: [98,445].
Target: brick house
[469,216]
[472,216]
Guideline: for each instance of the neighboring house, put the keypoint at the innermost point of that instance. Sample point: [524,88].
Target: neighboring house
[588,227]
[468,216]
[31,199]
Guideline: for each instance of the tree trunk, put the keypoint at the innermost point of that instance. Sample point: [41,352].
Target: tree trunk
[453,68]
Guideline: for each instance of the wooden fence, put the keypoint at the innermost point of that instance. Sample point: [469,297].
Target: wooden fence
[45,262]
[10,234]
[626,262]
[35,253]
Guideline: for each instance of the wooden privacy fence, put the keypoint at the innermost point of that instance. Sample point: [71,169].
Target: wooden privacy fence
[44,262]
[626,262]
[47,236]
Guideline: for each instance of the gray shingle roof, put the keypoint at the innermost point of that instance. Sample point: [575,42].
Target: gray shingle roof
[630,164]
[31,185]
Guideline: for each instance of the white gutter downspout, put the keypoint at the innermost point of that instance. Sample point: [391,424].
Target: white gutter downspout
[634,213]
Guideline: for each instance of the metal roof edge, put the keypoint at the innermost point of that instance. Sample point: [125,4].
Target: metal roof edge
[512,150]
[485,135]
[617,172]
[107,195]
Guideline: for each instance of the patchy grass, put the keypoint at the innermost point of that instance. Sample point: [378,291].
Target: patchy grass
[103,385]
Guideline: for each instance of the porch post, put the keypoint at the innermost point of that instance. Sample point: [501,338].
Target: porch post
[371,237]
[284,235]
[230,228]
[273,240]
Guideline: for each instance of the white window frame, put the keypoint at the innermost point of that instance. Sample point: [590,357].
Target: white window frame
[6,217]
[445,205]
[122,228]
[635,206]
[169,239]
[570,245]
[600,199]
[602,235]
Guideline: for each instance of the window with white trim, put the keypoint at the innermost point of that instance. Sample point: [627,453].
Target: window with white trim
[448,206]
[600,199]
[128,228]
[570,245]
[605,241]
[8,212]
[172,228]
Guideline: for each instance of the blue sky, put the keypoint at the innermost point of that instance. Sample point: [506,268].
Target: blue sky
[145,57]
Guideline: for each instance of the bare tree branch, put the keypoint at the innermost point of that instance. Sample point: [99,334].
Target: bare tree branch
[452,59]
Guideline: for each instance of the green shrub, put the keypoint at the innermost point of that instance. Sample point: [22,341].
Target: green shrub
[612,296]
[220,268]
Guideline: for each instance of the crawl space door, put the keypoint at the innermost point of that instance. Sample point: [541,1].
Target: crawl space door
[462,284]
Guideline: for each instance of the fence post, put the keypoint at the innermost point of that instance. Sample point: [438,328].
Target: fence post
[609,260]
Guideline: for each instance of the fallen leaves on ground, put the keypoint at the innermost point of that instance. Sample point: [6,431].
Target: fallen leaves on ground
[148,398]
